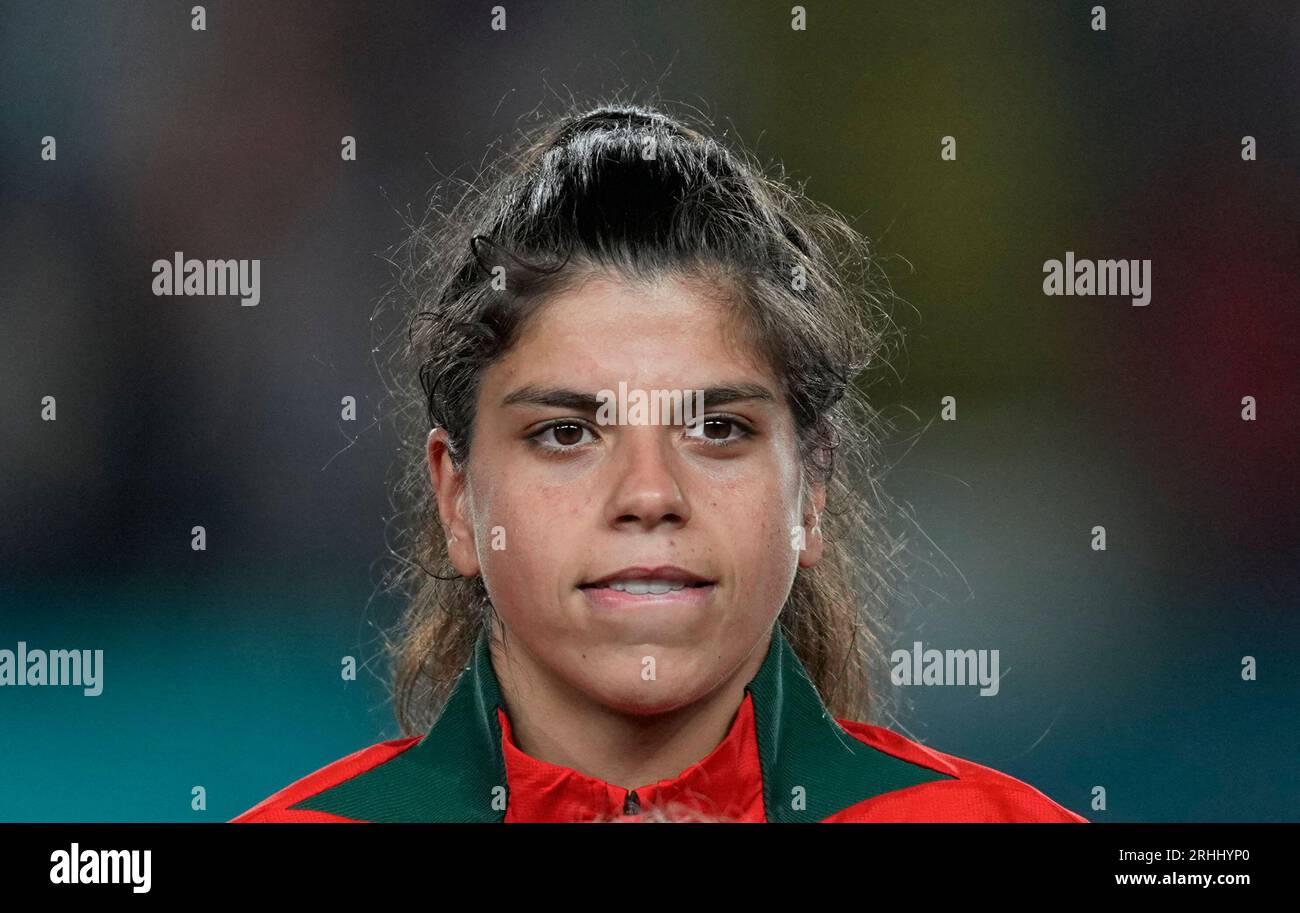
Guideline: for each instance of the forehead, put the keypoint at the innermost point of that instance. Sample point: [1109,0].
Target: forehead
[674,333]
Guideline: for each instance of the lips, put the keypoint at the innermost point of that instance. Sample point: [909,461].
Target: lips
[650,592]
[664,578]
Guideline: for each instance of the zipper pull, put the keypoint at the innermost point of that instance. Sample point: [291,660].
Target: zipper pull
[632,805]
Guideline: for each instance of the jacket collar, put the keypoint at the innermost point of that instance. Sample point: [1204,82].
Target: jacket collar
[810,767]
[724,784]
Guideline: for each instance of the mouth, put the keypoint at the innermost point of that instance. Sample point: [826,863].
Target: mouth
[635,585]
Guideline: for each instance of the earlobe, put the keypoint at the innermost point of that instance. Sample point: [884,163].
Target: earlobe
[813,542]
[449,496]
[813,539]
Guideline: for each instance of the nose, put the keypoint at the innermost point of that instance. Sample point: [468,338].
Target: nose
[647,489]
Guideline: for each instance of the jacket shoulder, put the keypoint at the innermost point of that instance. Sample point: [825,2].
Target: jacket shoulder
[276,808]
[970,792]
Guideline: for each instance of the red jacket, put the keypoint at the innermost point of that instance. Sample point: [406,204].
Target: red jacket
[784,759]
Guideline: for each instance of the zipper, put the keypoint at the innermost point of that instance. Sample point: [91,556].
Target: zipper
[631,804]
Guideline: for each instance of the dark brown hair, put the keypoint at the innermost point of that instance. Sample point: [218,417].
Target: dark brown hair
[632,191]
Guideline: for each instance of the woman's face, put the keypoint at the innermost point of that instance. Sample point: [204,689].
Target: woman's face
[553,501]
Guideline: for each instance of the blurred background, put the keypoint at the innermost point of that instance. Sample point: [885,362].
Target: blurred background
[1121,669]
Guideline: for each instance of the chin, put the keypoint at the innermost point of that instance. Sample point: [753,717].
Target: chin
[645,698]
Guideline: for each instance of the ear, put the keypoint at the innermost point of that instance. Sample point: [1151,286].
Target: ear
[450,492]
[814,542]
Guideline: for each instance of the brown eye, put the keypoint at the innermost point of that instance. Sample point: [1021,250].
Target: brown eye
[719,425]
[560,436]
[568,435]
[716,431]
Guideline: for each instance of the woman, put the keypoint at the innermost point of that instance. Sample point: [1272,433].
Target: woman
[649,614]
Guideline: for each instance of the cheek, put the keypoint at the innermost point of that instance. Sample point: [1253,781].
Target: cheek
[544,517]
[526,532]
[755,518]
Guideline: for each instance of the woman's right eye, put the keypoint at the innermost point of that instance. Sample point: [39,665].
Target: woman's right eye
[560,436]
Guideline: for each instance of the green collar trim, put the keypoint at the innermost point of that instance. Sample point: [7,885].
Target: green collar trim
[811,767]
[456,773]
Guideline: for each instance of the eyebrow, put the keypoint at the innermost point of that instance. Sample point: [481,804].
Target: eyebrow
[589,403]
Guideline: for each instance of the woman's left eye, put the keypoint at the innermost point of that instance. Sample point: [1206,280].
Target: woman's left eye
[710,425]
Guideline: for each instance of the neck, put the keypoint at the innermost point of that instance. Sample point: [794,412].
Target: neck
[559,724]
